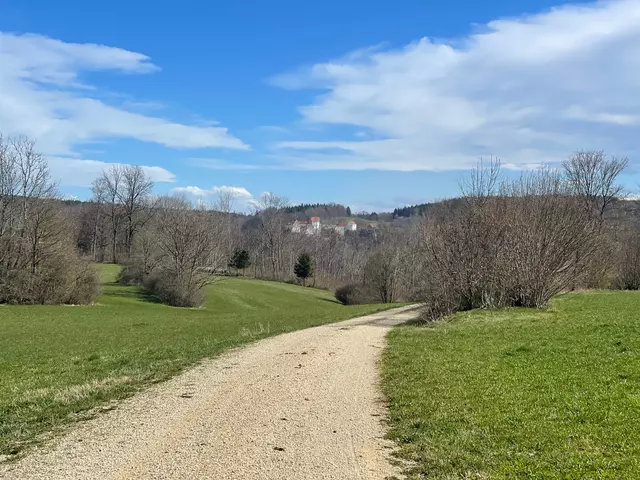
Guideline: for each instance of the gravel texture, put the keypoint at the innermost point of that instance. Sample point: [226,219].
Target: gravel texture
[303,405]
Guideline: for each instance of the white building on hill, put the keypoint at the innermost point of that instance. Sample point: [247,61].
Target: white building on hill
[309,228]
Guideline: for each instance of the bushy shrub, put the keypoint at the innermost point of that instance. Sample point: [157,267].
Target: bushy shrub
[62,280]
[39,263]
[514,247]
[628,277]
[354,294]
[131,274]
[170,289]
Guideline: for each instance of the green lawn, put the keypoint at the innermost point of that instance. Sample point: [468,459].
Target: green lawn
[520,393]
[58,362]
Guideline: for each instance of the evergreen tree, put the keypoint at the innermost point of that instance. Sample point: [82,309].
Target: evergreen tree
[304,267]
[240,260]
[348,211]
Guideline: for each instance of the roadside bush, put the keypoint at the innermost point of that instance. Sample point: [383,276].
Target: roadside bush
[516,244]
[354,294]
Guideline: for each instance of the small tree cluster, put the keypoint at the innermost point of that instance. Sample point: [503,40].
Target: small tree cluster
[172,259]
[38,261]
[122,206]
[514,243]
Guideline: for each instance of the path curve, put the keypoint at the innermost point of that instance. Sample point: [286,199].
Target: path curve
[303,405]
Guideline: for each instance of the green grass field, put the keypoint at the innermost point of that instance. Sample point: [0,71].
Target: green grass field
[58,362]
[520,393]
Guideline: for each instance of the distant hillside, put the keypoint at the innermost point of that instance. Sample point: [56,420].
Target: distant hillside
[322,210]
[424,209]
[621,211]
[625,211]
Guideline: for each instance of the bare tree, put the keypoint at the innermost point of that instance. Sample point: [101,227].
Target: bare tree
[172,261]
[270,211]
[107,191]
[135,197]
[381,273]
[593,176]
[124,195]
[224,204]
[38,263]
[482,182]
[27,190]
[9,186]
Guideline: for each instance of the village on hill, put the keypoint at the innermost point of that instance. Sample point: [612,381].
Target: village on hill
[314,226]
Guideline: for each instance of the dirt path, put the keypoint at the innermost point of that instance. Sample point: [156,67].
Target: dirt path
[303,405]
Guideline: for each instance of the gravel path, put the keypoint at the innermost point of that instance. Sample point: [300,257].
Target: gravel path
[303,405]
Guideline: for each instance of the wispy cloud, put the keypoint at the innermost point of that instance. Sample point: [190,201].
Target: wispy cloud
[238,192]
[240,198]
[43,96]
[529,90]
[75,172]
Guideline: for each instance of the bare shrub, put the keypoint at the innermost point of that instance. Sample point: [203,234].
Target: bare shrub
[172,259]
[516,245]
[175,291]
[354,294]
[381,273]
[145,258]
[628,277]
[38,260]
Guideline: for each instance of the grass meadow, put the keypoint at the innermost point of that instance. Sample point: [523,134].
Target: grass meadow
[520,393]
[57,363]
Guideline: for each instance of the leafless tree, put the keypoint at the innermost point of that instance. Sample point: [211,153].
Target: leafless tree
[270,211]
[482,182]
[172,257]
[107,191]
[123,194]
[593,176]
[382,271]
[38,263]
[135,197]
[225,204]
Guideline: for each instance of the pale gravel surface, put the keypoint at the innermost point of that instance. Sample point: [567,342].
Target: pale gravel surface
[303,405]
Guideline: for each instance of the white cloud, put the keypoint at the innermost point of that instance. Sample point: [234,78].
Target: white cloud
[241,199]
[75,172]
[42,95]
[238,192]
[529,90]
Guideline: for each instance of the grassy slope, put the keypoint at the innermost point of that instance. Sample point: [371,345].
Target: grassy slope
[521,394]
[56,362]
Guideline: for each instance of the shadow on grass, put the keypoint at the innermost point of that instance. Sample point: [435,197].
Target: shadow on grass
[420,322]
[330,300]
[117,290]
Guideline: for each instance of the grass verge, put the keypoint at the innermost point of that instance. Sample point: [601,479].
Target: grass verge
[59,362]
[520,393]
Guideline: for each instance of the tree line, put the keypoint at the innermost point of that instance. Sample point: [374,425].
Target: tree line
[504,242]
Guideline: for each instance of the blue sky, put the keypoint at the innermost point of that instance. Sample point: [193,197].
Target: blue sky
[371,104]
